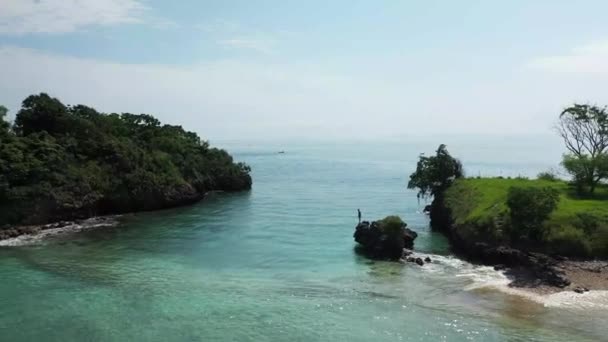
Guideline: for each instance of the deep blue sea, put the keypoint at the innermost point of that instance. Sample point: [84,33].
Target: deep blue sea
[278,263]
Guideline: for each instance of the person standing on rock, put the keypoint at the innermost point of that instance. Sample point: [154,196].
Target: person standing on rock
[359,214]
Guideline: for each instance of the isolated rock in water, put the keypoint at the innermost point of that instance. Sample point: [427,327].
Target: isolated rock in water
[386,238]
[427,259]
[419,261]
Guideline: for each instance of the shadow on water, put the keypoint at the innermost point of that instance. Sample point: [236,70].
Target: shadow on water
[73,266]
[89,256]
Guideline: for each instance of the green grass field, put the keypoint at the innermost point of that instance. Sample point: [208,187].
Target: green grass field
[479,209]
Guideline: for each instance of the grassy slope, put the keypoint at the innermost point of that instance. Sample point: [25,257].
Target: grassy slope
[479,210]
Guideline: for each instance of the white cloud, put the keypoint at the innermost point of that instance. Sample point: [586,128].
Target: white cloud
[591,58]
[223,98]
[237,99]
[61,16]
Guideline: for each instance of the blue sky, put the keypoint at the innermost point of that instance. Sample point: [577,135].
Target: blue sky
[314,69]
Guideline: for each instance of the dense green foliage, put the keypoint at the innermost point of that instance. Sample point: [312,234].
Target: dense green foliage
[577,227]
[392,225]
[584,129]
[435,174]
[529,207]
[586,171]
[548,176]
[60,162]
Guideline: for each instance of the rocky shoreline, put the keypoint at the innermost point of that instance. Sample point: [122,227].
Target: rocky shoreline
[23,235]
[582,276]
[37,231]
[535,272]
[528,271]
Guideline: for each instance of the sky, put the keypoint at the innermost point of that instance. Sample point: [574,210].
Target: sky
[312,69]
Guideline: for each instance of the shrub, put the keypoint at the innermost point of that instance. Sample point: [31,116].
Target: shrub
[569,241]
[599,242]
[588,223]
[548,176]
[529,207]
[392,224]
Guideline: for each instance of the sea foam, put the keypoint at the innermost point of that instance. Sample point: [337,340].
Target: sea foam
[486,277]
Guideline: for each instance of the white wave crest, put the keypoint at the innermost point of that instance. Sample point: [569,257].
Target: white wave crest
[485,277]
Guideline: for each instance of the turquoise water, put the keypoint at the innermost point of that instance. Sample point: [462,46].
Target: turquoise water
[277,264]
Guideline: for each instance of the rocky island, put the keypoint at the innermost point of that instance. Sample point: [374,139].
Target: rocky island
[388,239]
[62,163]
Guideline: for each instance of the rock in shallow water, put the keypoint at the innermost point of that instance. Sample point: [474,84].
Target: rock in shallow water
[380,241]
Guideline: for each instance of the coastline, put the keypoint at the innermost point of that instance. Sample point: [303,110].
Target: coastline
[25,234]
[35,233]
[532,272]
[584,276]
[536,273]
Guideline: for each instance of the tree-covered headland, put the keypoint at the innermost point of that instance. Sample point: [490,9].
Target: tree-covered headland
[61,162]
[547,214]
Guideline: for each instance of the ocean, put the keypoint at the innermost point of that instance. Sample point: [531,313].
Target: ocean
[278,263]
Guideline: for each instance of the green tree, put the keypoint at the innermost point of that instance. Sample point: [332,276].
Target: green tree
[586,171]
[584,129]
[529,207]
[41,113]
[436,173]
[72,161]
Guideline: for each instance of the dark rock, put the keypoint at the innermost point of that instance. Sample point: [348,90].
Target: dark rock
[407,252]
[427,209]
[501,255]
[380,244]
[579,289]
[408,237]
[553,278]
[30,230]
[427,259]
[411,259]
[419,261]
[499,267]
